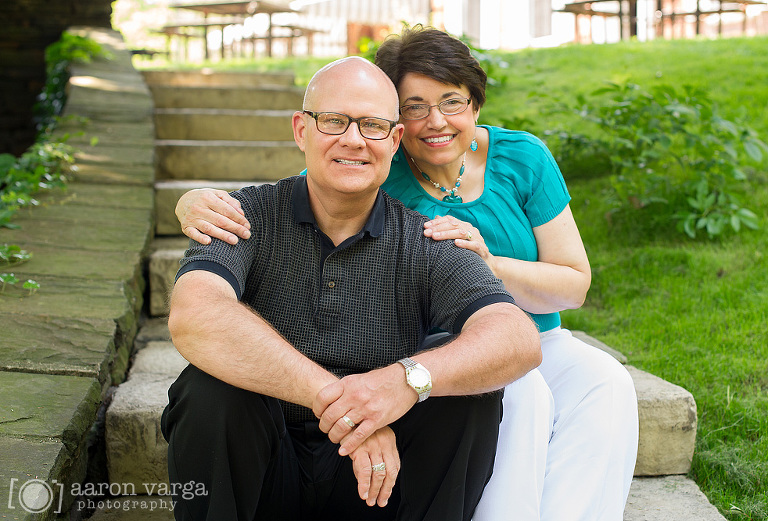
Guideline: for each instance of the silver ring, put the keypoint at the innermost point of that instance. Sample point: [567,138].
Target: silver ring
[348,421]
[469,235]
[380,466]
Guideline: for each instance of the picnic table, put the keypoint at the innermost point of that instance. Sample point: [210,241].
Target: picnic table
[629,16]
[238,10]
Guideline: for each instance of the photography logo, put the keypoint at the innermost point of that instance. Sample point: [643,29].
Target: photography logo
[34,495]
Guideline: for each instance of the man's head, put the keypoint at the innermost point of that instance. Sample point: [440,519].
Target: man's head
[357,160]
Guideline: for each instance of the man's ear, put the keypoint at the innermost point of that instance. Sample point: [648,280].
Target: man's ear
[299,123]
[397,136]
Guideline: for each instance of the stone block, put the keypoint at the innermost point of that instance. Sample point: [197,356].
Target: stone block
[58,345]
[30,478]
[48,406]
[136,449]
[159,357]
[208,78]
[227,160]
[244,98]
[668,498]
[103,196]
[104,154]
[667,426]
[108,106]
[59,227]
[114,174]
[224,124]
[112,133]
[153,330]
[163,266]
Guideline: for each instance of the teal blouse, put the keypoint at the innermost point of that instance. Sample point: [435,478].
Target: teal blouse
[523,189]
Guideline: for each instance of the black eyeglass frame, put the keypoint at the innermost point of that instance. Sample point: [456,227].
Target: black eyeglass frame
[351,120]
[429,108]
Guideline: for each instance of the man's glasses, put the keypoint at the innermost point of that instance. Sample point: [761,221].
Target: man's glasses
[449,107]
[334,124]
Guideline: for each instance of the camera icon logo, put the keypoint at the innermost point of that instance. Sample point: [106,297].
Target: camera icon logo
[34,495]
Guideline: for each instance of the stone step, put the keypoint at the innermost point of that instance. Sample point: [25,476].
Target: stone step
[224,124]
[227,160]
[247,98]
[209,78]
[167,194]
[664,498]
[136,449]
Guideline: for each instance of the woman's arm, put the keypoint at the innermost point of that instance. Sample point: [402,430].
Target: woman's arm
[205,213]
[559,279]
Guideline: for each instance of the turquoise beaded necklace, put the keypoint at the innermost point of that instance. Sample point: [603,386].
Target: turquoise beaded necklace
[451,195]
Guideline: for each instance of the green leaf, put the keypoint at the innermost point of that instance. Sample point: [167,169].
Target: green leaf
[753,150]
[6,162]
[8,278]
[735,223]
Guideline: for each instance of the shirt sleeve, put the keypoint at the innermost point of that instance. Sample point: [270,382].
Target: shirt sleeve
[230,262]
[460,284]
[529,164]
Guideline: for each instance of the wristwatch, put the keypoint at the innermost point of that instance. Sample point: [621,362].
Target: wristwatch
[417,377]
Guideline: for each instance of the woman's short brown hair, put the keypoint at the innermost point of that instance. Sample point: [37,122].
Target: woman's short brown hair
[434,54]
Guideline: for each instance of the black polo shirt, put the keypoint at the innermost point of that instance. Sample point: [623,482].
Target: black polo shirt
[354,307]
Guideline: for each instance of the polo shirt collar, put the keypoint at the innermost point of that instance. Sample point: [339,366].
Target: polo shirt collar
[302,212]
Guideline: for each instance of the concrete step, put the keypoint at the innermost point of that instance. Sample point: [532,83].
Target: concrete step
[135,448]
[665,498]
[224,124]
[227,160]
[247,98]
[167,194]
[209,78]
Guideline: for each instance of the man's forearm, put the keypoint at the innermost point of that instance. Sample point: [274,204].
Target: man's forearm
[497,345]
[227,340]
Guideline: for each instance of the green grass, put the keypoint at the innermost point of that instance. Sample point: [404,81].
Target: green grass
[691,312]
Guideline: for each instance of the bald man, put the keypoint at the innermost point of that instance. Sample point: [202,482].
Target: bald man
[306,397]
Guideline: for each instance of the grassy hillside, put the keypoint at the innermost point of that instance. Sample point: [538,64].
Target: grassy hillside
[691,312]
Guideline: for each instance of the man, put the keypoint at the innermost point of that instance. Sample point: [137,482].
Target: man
[305,337]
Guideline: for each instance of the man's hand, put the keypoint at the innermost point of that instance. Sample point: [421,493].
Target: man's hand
[375,486]
[370,400]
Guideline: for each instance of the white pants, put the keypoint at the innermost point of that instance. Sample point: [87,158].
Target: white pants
[567,440]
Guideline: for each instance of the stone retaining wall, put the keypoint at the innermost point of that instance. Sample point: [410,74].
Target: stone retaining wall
[29,26]
[63,348]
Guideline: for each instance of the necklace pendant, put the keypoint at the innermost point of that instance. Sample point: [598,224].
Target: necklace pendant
[451,198]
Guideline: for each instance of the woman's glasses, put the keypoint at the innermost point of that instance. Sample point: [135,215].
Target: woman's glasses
[449,107]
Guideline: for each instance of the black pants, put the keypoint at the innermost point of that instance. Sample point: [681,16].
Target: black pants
[235,446]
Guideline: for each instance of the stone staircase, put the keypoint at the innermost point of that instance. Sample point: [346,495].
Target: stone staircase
[231,130]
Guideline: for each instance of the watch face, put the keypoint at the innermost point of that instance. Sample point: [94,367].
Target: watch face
[419,378]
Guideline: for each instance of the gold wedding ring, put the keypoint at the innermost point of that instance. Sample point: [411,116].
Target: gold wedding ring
[380,466]
[348,421]
[469,235]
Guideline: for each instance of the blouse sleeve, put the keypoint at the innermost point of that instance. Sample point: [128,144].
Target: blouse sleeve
[538,179]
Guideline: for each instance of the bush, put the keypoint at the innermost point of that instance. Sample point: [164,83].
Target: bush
[669,152]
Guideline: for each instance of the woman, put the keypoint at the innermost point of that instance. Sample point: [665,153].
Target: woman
[500,193]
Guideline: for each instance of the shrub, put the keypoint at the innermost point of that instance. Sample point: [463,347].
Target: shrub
[668,151]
